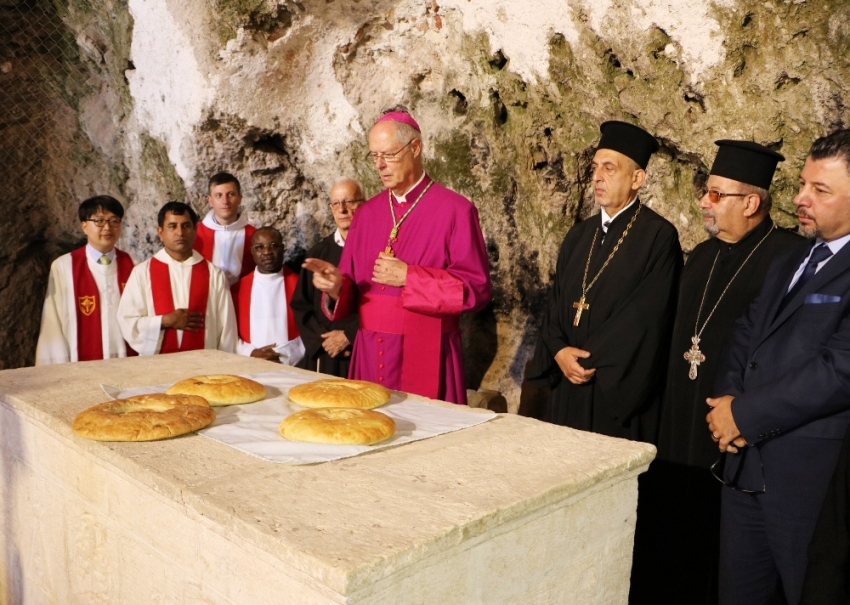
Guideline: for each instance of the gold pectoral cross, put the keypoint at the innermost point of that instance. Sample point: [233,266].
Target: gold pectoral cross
[581,305]
[393,237]
[694,357]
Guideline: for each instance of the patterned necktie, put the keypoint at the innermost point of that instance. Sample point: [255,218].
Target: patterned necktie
[819,254]
[104,260]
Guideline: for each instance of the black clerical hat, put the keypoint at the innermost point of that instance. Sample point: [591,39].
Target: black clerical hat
[628,139]
[746,162]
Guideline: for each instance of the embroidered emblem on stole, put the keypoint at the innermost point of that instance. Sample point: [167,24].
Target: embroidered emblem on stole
[87,305]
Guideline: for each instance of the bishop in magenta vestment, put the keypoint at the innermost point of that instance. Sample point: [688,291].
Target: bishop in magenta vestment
[409,338]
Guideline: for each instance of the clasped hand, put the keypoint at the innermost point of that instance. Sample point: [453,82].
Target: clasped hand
[334,342]
[722,425]
[183,319]
[267,352]
[567,359]
[389,271]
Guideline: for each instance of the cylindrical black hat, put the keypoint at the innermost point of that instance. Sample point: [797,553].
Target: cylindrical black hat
[746,162]
[628,139]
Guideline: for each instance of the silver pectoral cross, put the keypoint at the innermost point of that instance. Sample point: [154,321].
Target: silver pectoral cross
[694,357]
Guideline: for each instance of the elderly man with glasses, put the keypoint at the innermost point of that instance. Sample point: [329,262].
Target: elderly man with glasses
[414,261]
[676,555]
[261,299]
[79,320]
[327,342]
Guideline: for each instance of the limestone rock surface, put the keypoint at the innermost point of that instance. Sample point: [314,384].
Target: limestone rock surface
[509,93]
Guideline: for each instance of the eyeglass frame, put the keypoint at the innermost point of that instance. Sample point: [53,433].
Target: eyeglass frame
[113,222]
[346,203]
[387,157]
[712,193]
[717,471]
[272,246]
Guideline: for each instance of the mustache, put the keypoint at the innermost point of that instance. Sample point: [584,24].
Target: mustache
[804,214]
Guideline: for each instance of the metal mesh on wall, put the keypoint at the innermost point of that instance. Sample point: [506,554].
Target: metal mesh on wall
[40,84]
[38,74]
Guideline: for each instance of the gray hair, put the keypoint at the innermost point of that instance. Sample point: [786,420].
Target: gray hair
[345,179]
[765,199]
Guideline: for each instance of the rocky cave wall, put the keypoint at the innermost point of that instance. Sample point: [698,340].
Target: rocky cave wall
[510,93]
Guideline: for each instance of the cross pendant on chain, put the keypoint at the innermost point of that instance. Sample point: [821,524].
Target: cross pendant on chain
[580,306]
[393,237]
[694,357]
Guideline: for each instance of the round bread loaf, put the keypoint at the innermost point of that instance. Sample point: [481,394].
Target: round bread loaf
[220,389]
[144,418]
[340,393]
[338,426]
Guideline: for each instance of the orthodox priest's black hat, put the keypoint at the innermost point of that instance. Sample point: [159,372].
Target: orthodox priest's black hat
[746,162]
[628,139]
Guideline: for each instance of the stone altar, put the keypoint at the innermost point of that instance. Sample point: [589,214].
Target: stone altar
[511,511]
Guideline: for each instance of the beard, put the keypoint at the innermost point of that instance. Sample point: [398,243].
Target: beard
[810,232]
[710,226]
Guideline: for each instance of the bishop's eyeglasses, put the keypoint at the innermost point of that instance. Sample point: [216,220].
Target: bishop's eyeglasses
[387,157]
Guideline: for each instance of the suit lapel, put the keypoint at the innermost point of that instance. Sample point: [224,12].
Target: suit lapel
[837,265]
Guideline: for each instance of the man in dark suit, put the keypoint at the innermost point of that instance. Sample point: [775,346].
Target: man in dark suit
[784,397]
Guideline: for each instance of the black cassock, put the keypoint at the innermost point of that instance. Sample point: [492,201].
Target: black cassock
[312,322]
[684,436]
[677,537]
[626,329]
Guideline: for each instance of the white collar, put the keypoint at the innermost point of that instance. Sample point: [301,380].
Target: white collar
[95,255]
[164,257]
[402,199]
[211,222]
[606,218]
[338,239]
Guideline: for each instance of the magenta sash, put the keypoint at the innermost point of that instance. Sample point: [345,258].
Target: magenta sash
[420,361]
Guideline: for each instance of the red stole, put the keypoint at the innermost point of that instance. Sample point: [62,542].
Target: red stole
[163,303]
[205,243]
[241,292]
[89,327]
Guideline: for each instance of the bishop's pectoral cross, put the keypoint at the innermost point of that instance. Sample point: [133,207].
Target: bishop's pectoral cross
[393,238]
[580,306]
[694,357]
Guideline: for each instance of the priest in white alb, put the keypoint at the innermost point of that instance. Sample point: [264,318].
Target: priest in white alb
[177,301]
[79,319]
[224,236]
[266,323]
